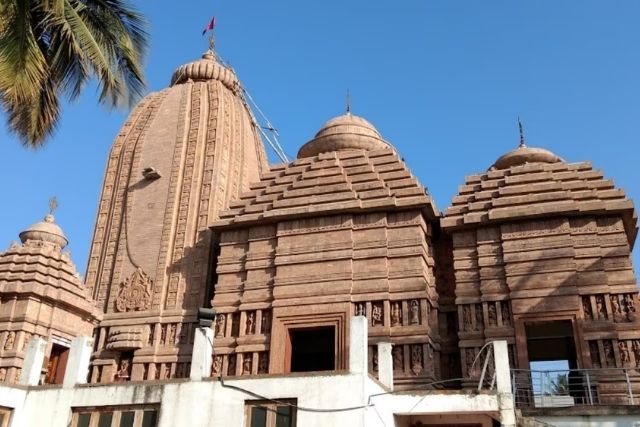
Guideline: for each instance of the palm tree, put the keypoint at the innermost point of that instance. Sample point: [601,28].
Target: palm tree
[51,48]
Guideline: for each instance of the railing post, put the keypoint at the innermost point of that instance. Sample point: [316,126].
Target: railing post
[589,388]
[541,391]
[626,377]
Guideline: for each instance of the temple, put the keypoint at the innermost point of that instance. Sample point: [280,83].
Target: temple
[329,290]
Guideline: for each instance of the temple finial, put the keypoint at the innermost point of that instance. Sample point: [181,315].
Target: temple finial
[348,101]
[53,205]
[522,141]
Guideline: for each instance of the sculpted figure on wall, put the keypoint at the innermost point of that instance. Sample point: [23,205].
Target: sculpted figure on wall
[376,314]
[221,323]
[216,368]
[374,359]
[396,314]
[231,371]
[250,323]
[479,318]
[263,363]
[135,292]
[506,313]
[415,312]
[416,359]
[25,340]
[172,334]
[636,351]
[600,306]
[11,339]
[466,317]
[609,358]
[265,326]
[398,358]
[586,308]
[3,374]
[625,357]
[247,360]
[629,307]
[616,310]
[360,309]
[493,314]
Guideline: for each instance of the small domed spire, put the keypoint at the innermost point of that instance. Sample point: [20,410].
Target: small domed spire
[524,154]
[345,132]
[46,231]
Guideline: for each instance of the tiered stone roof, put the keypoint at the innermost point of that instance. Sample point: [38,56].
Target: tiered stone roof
[331,183]
[536,190]
[40,267]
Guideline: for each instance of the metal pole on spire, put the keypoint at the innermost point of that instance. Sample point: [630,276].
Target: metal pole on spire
[522,141]
[348,101]
[53,205]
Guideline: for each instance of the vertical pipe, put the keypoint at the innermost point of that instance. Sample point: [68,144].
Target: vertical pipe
[626,377]
[589,388]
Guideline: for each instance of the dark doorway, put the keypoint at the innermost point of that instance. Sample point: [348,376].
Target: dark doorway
[551,341]
[57,364]
[313,349]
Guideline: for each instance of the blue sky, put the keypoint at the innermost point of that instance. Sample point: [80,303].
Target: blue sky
[444,81]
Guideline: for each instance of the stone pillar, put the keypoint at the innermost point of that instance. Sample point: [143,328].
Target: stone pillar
[32,365]
[503,383]
[202,354]
[78,362]
[358,342]
[385,365]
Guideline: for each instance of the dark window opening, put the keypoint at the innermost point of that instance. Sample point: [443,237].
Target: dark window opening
[212,276]
[57,364]
[551,341]
[313,349]
[270,414]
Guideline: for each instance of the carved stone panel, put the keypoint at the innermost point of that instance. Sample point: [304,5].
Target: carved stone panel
[135,292]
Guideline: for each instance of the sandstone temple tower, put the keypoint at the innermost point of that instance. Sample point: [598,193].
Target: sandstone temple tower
[41,297]
[180,158]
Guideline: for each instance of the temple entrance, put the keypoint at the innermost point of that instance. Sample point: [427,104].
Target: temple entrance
[56,365]
[551,345]
[312,349]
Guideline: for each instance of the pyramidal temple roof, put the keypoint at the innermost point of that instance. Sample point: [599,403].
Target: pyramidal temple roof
[538,189]
[330,183]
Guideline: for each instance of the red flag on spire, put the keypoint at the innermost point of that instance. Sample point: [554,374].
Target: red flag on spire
[209,26]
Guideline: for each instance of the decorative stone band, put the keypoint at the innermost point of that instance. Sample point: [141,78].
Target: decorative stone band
[125,338]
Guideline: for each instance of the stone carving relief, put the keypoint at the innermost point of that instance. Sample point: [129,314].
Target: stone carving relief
[416,359]
[25,340]
[479,318]
[135,292]
[616,308]
[163,334]
[247,361]
[231,371]
[635,346]
[398,358]
[221,323]
[216,368]
[265,326]
[3,374]
[469,357]
[374,359]
[466,318]
[172,333]
[124,370]
[609,358]
[506,313]
[263,363]
[360,309]
[414,318]
[235,324]
[250,323]
[629,307]
[396,313]
[492,314]
[586,308]
[376,314]
[623,349]
[11,339]
[601,307]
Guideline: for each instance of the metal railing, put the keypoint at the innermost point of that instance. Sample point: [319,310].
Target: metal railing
[574,387]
